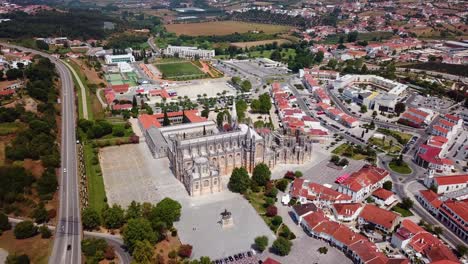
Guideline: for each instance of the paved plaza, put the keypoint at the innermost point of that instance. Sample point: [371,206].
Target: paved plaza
[209,87]
[130,173]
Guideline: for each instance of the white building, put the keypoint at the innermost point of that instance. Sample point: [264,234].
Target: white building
[129,58]
[392,87]
[189,52]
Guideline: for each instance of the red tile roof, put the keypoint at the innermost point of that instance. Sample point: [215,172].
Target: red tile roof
[346,209]
[452,118]
[315,219]
[271,261]
[418,112]
[382,194]
[367,251]
[453,179]
[459,208]
[148,121]
[431,155]
[446,123]
[325,193]
[376,215]
[440,129]
[121,88]
[412,118]
[431,197]
[296,187]
[367,175]
[327,227]
[346,236]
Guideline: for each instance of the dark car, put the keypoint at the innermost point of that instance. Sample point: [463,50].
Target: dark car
[68,247]
[231,258]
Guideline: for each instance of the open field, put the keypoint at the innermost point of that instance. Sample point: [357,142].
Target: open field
[223,28]
[348,151]
[36,248]
[386,145]
[258,43]
[179,69]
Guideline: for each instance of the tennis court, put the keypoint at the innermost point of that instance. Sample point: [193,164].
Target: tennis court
[122,78]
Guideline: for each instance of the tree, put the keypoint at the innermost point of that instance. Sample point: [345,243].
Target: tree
[185,251]
[261,174]
[282,246]
[42,45]
[335,159]
[166,120]
[298,174]
[166,211]
[388,185]
[40,214]
[15,259]
[4,222]
[235,79]
[13,74]
[261,243]
[438,230]
[113,217]
[25,229]
[277,220]
[343,162]
[45,231]
[133,210]
[143,252]
[271,211]
[239,181]
[323,250]
[400,108]
[246,86]
[462,249]
[134,102]
[90,218]
[282,184]
[138,230]
[363,109]
[109,253]
[407,203]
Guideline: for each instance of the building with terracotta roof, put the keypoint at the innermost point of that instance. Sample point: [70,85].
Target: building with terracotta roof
[322,96]
[429,200]
[454,215]
[271,261]
[381,219]
[383,197]
[430,157]
[418,244]
[306,191]
[346,212]
[363,182]
[301,210]
[447,183]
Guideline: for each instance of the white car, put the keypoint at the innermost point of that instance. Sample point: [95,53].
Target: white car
[65,170]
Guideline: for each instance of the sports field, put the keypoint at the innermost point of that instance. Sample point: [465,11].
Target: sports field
[179,70]
[223,28]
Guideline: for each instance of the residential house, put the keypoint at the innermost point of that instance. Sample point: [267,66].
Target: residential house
[383,197]
[363,182]
[379,218]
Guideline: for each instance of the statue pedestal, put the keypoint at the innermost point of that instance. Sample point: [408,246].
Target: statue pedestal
[226,219]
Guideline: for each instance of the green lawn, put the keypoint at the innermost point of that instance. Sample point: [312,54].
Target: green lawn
[385,145]
[96,191]
[402,138]
[78,90]
[405,213]
[346,149]
[179,70]
[403,169]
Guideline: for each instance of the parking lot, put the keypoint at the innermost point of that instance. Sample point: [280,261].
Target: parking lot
[433,103]
[130,173]
[305,250]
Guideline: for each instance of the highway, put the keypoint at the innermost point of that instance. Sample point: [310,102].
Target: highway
[67,242]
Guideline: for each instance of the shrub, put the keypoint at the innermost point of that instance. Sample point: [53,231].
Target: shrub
[261,242]
[45,231]
[272,192]
[172,254]
[298,174]
[109,253]
[25,229]
[271,211]
[90,218]
[185,251]
[4,223]
[282,184]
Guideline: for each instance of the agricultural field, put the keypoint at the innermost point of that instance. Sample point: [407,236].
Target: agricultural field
[180,70]
[223,28]
[258,43]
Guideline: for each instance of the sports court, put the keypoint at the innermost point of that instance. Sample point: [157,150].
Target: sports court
[129,78]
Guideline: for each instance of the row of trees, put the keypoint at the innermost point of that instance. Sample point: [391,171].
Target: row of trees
[262,104]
